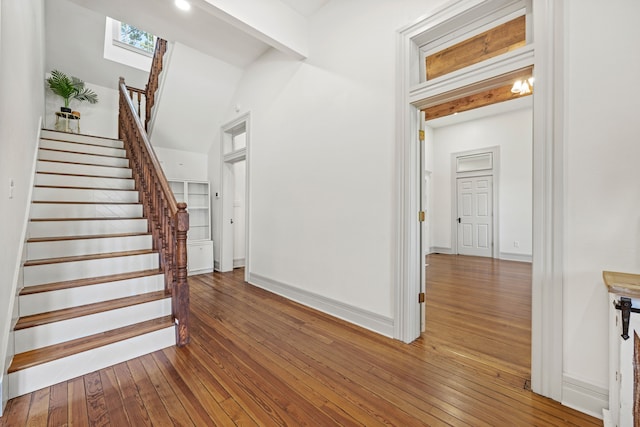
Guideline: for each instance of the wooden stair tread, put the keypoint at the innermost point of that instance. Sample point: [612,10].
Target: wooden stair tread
[78,134]
[81,175]
[84,237]
[84,153]
[47,354]
[84,164]
[67,202]
[88,309]
[69,187]
[82,143]
[88,281]
[99,218]
[103,255]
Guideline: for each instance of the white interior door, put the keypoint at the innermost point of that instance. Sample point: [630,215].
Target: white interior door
[239,214]
[475,216]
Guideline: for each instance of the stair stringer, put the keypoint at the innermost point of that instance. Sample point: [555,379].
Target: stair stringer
[22,381]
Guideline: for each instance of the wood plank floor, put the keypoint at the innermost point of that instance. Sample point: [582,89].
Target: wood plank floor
[258,359]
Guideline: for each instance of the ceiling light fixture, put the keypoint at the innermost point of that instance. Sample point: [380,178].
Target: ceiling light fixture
[182,4]
[522,87]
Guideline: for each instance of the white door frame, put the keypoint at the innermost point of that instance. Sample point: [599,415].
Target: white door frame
[227,158]
[546,55]
[494,172]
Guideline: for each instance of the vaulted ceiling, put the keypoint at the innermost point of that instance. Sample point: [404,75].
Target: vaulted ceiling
[219,28]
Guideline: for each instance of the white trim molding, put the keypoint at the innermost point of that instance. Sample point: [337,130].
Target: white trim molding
[236,126]
[440,250]
[545,53]
[368,320]
[510,256]
[584,397]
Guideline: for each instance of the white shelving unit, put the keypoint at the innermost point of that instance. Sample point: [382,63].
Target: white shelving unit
[196,195]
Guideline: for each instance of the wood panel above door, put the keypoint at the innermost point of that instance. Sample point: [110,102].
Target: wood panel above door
[496,41]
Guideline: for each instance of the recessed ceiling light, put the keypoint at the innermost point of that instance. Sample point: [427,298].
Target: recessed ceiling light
[182,4]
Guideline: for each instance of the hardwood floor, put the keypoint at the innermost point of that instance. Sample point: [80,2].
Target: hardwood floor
[258,359]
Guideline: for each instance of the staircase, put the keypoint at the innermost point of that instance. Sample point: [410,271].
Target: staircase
[94,294]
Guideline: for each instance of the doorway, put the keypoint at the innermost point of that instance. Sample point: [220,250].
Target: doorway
[233,220]
[466,262]
[548,187]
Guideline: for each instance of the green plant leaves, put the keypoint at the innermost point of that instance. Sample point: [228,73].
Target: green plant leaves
[70,88]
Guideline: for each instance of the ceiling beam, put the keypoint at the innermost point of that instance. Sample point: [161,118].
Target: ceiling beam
[477,100]
[270,21]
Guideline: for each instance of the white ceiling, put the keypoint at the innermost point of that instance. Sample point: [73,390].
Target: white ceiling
[305,7]
[197,28]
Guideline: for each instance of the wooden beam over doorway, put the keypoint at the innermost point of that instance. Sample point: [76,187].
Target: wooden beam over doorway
[477,100]
[496,41]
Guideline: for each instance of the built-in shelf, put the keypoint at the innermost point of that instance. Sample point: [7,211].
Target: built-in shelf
[199,244]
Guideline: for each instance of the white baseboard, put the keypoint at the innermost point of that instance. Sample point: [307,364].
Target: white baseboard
[368,320]
[584,397]
[3,396]
[440,250]
[240,262]
[509,256]
[200,271]
[216,265]
[606,418]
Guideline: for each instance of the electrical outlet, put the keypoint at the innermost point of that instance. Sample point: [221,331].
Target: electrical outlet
[12,186]
[516,244]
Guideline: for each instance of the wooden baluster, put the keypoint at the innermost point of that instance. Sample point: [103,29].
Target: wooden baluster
[181,287]
[168,221]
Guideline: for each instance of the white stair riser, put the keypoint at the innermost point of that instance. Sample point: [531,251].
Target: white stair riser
[57,167]
[66,248]
[63,136]
[84,195]
[82,158]
[67,330]
[65,298]
[63,271]
[82,148]
[47,374]
[85,181]
[57,210]
[86,227]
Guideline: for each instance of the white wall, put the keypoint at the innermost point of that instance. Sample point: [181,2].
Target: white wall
[75,45]
[512,132]
[602,223]
[322,157]
[195,94]
[182,165]
[100,119]
[21,108]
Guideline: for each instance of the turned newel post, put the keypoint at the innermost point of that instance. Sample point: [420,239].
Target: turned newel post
[181,287]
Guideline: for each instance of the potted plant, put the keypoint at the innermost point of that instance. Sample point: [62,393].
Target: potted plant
[70,88]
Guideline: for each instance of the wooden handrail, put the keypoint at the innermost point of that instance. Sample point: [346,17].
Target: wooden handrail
[154,78]
[168,220]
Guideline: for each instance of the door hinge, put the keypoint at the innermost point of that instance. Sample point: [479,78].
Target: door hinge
[421,216]
[421,135]
[421,297]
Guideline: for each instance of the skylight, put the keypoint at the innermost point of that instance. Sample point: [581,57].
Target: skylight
[128,45]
